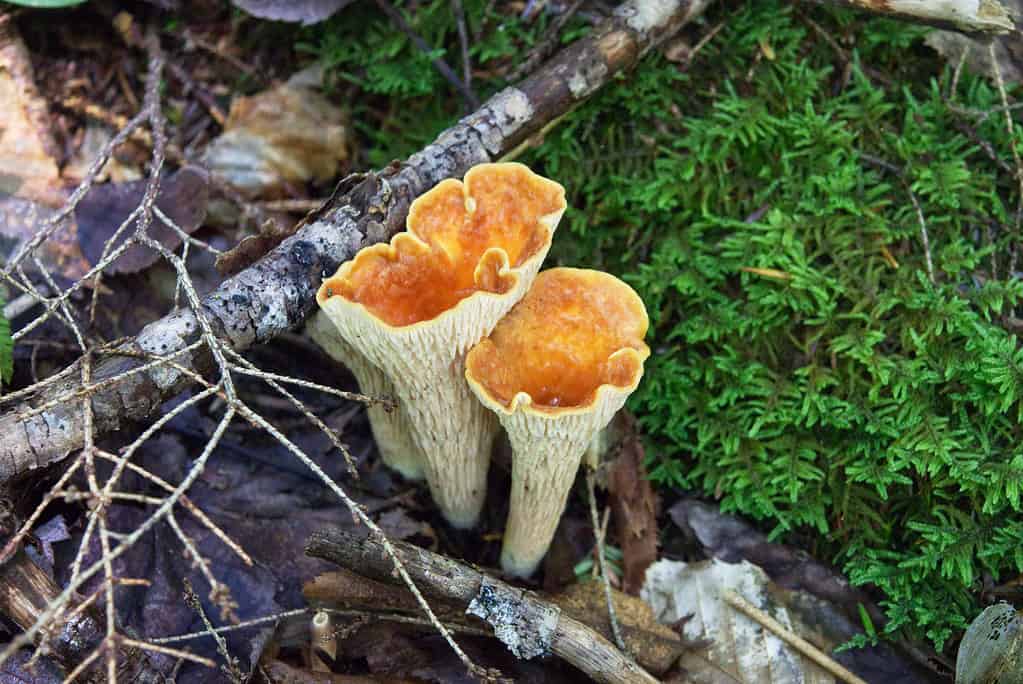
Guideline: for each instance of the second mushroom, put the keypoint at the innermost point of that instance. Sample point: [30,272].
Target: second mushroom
[555,370]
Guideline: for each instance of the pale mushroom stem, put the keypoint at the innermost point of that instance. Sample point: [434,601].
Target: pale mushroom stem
[455,434]
[390,425]
[546,458]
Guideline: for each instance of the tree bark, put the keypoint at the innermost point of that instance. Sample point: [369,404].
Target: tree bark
[276,293]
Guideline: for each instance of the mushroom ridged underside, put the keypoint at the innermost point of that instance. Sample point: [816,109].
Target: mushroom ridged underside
[415,306]
[555,370]
[390,428]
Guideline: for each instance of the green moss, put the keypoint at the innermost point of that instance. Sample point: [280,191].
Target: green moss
[806,370]
[838,396]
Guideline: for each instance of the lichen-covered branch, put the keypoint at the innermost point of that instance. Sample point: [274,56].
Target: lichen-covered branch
[528,625]
[276,293]
[966,16]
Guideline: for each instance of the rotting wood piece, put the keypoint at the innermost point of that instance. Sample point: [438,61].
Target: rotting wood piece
[26,591]
[447,579]
[276,293]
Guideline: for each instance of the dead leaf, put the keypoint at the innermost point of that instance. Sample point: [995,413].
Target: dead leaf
[992,648]
[21,219]
[183,196]
[1008,49]
[28,153]
[252,247]
[655,646]
[94,139]
[282,136]
[305,11]
[741,650]
[732,540]
[634,505]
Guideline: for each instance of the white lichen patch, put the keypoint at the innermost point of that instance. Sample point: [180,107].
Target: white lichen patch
[526,628]
[516,107]
[165,337]
[643,16]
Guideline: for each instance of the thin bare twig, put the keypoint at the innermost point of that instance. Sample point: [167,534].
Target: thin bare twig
[598,535]
[395,15]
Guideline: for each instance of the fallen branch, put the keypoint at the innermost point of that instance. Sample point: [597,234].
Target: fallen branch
[528,625]
[276,293]
[966,16]
[26,591]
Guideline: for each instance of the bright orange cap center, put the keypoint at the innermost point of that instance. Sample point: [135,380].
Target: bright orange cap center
[559,344]
[450,228]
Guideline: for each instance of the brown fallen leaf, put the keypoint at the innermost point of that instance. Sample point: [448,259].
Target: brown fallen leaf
[634,505]
[252,247]
[21,219]
[28,153]
[183,196]
[284,136]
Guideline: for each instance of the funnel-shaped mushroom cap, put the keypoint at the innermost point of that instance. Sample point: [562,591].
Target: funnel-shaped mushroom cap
[390,427]
[556,370]
[415,306]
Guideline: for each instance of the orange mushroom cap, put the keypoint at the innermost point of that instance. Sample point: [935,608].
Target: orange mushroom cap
[461,239]
[576,331]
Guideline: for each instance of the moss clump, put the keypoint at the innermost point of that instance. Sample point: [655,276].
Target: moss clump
[807,371]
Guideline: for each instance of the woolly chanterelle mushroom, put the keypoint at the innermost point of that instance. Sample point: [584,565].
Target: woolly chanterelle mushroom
[415,306]
[555,370]
[389,424]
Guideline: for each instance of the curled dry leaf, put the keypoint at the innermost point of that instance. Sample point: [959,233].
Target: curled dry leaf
[61,254]
[287,135]
[633,503]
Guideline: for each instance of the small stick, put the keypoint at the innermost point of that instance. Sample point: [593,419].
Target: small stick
[321,638]
[444,578]
[598,534]
[463,41]
[794,640]
[439,64]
